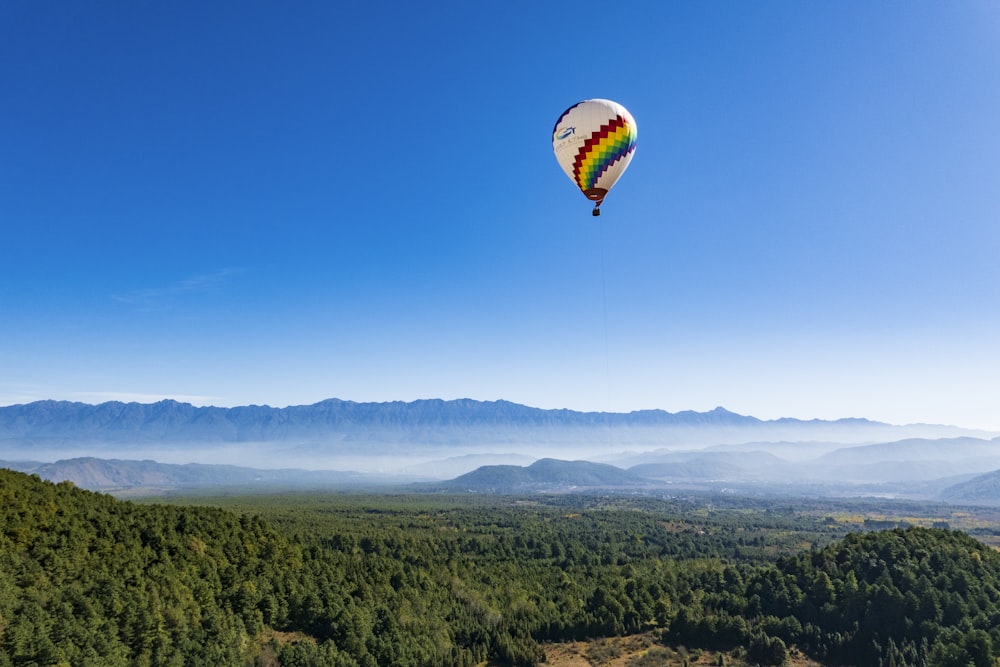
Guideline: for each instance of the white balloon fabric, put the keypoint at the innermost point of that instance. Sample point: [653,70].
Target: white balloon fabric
[594,141]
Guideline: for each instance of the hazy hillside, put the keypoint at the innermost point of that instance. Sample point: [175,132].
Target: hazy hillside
[714,465]
[544,475]
[917,449]
[695,469]
[983,489]
[116,475]
[910,460]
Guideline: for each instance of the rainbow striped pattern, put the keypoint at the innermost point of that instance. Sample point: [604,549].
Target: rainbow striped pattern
[606,146]
[594,142]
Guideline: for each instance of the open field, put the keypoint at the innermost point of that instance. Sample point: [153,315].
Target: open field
[645,651]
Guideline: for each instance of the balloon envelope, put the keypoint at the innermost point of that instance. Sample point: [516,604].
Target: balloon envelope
[594,141]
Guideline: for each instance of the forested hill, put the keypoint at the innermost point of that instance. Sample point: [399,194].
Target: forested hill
[901,597]
[89,580]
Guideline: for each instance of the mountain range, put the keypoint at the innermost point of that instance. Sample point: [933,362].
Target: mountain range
[501,444]
[338,426]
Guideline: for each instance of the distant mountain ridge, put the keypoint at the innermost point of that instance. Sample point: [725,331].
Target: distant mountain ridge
[43,418]
[429,420]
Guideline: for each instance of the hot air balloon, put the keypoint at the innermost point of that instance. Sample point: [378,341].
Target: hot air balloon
[594,141]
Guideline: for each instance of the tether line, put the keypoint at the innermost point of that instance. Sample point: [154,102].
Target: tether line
[607,346]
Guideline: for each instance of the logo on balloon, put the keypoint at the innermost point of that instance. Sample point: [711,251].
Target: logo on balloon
[566,132]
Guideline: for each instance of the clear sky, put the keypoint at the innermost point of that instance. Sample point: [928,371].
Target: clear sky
[234,203]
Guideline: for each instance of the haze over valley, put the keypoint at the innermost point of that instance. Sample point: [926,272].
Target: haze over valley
[489,447]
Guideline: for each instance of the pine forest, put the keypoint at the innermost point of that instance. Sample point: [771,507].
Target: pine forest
[449,580]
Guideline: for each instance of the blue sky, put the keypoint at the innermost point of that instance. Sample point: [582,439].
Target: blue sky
[236,203]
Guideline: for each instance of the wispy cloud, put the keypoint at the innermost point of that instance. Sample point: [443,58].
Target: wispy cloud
[160,297]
